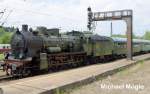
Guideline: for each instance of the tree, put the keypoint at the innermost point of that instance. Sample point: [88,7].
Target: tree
[147,35]
[125,36]
[5,36]
[119,35]
[5,39]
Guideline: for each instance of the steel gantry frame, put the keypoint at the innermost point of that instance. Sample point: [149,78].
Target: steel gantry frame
[126,15]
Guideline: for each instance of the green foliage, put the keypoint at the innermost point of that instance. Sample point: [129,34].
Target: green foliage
[5,36]
[2,31]
[5,39]
[124,36]
[147,35]
[1,57]
[120,36]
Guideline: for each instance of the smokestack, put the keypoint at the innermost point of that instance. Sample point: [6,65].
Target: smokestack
[24,28]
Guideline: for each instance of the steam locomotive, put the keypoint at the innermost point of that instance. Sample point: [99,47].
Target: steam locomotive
[33,51]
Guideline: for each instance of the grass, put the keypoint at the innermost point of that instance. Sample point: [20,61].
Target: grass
[141,62]
[132,69]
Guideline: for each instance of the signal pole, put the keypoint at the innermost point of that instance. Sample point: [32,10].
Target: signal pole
[111,33]
[90,19]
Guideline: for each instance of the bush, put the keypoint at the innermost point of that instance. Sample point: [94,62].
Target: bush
[5,36]
[1,57]
[5,39]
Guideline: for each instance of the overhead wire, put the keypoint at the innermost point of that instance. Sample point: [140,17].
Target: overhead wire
[2,14]
[70,20]
[5,20]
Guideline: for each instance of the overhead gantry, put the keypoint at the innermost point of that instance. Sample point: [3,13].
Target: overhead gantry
[126,15]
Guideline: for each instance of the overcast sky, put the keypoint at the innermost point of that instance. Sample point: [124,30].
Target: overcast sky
[72,14]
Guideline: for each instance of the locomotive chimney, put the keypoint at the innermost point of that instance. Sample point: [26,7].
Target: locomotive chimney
[24,28]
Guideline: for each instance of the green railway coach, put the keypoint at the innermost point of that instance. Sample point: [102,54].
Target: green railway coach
[98,46]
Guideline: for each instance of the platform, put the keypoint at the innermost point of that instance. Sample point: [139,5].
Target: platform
[49,83]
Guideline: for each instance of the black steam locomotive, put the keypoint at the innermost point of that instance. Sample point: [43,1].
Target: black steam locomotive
[35,51]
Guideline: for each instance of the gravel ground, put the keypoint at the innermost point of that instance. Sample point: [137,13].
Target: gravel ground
[135,80]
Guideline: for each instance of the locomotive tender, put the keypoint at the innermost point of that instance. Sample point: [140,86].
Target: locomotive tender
[33,52]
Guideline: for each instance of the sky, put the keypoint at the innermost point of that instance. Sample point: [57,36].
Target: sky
[72,14]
